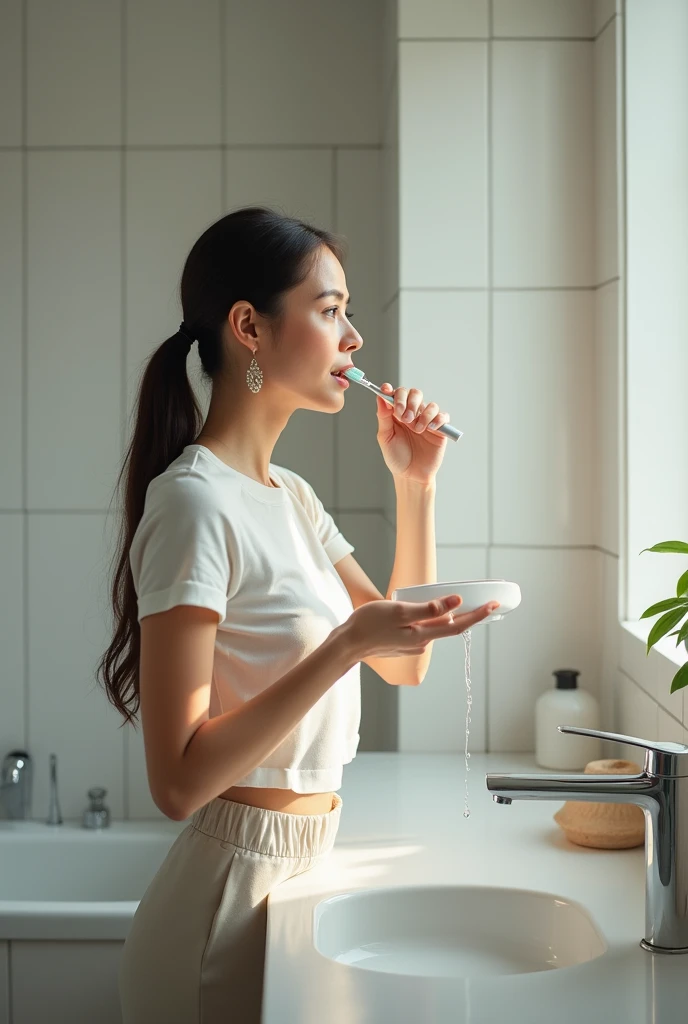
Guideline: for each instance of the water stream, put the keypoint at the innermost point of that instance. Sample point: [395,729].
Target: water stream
[469,701]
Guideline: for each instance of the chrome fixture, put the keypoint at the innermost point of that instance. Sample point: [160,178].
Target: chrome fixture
[16,780]
[54,816]
[661,790]
[16,783]
[96,815]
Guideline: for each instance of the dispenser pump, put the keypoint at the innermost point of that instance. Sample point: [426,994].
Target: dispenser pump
[566,678]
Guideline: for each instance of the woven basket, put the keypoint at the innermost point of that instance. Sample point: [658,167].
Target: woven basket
[604,826]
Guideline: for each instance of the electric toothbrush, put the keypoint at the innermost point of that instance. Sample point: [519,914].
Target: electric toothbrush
[358,377]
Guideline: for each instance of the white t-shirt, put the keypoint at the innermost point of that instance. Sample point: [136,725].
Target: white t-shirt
[263,559]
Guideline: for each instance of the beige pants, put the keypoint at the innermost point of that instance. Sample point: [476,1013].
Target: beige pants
[195,953]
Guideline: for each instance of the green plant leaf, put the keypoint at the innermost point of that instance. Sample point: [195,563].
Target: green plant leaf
[680,679]
[664,606]
[663,625]
[682,633]
[676,547]
[682,585]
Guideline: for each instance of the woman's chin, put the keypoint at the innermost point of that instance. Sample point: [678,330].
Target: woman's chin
[336,391]
[329,402]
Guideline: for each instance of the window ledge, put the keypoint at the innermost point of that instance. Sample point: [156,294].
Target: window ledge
[655,671]
[666,647]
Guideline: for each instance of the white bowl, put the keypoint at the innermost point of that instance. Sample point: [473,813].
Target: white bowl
[475,593]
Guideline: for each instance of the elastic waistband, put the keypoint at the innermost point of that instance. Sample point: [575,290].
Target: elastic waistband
[272,833]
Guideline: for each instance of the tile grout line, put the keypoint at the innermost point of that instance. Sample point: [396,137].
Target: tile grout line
[660,707]
[622,328]
[490,359]
[164,147]
[502,39]
[222,34]
[25,371]
[335,425]
[605,26]
[452,289]
[510,288]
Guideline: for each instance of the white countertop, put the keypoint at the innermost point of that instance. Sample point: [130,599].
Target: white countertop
[402,824]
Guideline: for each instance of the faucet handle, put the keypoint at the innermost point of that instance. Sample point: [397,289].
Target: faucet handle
[663,757]
[661,746]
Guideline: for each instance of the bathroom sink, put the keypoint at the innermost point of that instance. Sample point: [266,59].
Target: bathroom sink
[455,931]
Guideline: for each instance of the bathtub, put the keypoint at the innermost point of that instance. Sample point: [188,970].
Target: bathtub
[67,898]
[68,882]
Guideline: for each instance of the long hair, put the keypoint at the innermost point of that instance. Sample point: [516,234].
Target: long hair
[254,254]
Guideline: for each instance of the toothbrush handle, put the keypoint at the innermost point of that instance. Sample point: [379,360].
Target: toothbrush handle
[447,429]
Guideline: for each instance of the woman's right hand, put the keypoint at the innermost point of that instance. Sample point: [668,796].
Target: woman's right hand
[389,629]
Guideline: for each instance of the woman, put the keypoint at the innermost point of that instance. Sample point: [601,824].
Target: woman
[241,615]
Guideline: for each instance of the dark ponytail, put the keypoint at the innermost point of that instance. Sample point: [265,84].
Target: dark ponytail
[253,254]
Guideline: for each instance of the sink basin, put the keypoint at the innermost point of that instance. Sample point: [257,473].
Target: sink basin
[455,931]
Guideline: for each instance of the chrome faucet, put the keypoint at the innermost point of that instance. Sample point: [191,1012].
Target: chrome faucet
[661,790]
[16,784]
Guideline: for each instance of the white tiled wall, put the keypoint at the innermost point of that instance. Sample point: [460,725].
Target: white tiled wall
[641,298]
[507,150]
[474,161]
[443,84]
[541,163]
[557,19]
[657,299]
[125,130]
[542,450]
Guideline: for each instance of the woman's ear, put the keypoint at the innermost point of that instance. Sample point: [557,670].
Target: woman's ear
[243,324]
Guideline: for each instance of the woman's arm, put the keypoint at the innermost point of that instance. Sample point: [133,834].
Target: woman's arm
[190,758]
[415,562]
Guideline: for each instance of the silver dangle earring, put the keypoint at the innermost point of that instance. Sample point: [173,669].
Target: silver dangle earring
[254,376]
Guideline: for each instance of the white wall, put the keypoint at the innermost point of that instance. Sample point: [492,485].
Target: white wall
[475,162]
[513,117]
[125,129]
[499,291]
[654,87]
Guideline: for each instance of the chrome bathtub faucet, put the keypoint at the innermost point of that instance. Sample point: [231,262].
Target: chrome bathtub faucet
[16,787]
[16,784]
[96,815]
[661,790]
[16,779]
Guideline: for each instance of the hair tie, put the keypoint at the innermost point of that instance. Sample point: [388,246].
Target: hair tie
[186,333]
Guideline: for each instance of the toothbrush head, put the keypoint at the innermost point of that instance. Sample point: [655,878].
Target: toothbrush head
[353,373]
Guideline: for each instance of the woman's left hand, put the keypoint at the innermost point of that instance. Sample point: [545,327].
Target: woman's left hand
[411,449]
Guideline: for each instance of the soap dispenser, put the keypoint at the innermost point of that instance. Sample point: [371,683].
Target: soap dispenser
[566,704]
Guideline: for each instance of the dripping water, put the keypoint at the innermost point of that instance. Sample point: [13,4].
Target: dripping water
[469,701]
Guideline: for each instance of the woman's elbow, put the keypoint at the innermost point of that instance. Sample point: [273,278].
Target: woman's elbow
[169,802]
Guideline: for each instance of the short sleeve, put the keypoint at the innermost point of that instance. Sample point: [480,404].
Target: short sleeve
[180,552]
[335,543]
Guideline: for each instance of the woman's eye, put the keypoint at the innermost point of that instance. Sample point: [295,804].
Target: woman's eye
[333,309]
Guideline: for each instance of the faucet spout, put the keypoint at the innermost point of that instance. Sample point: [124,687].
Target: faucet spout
[640,789]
